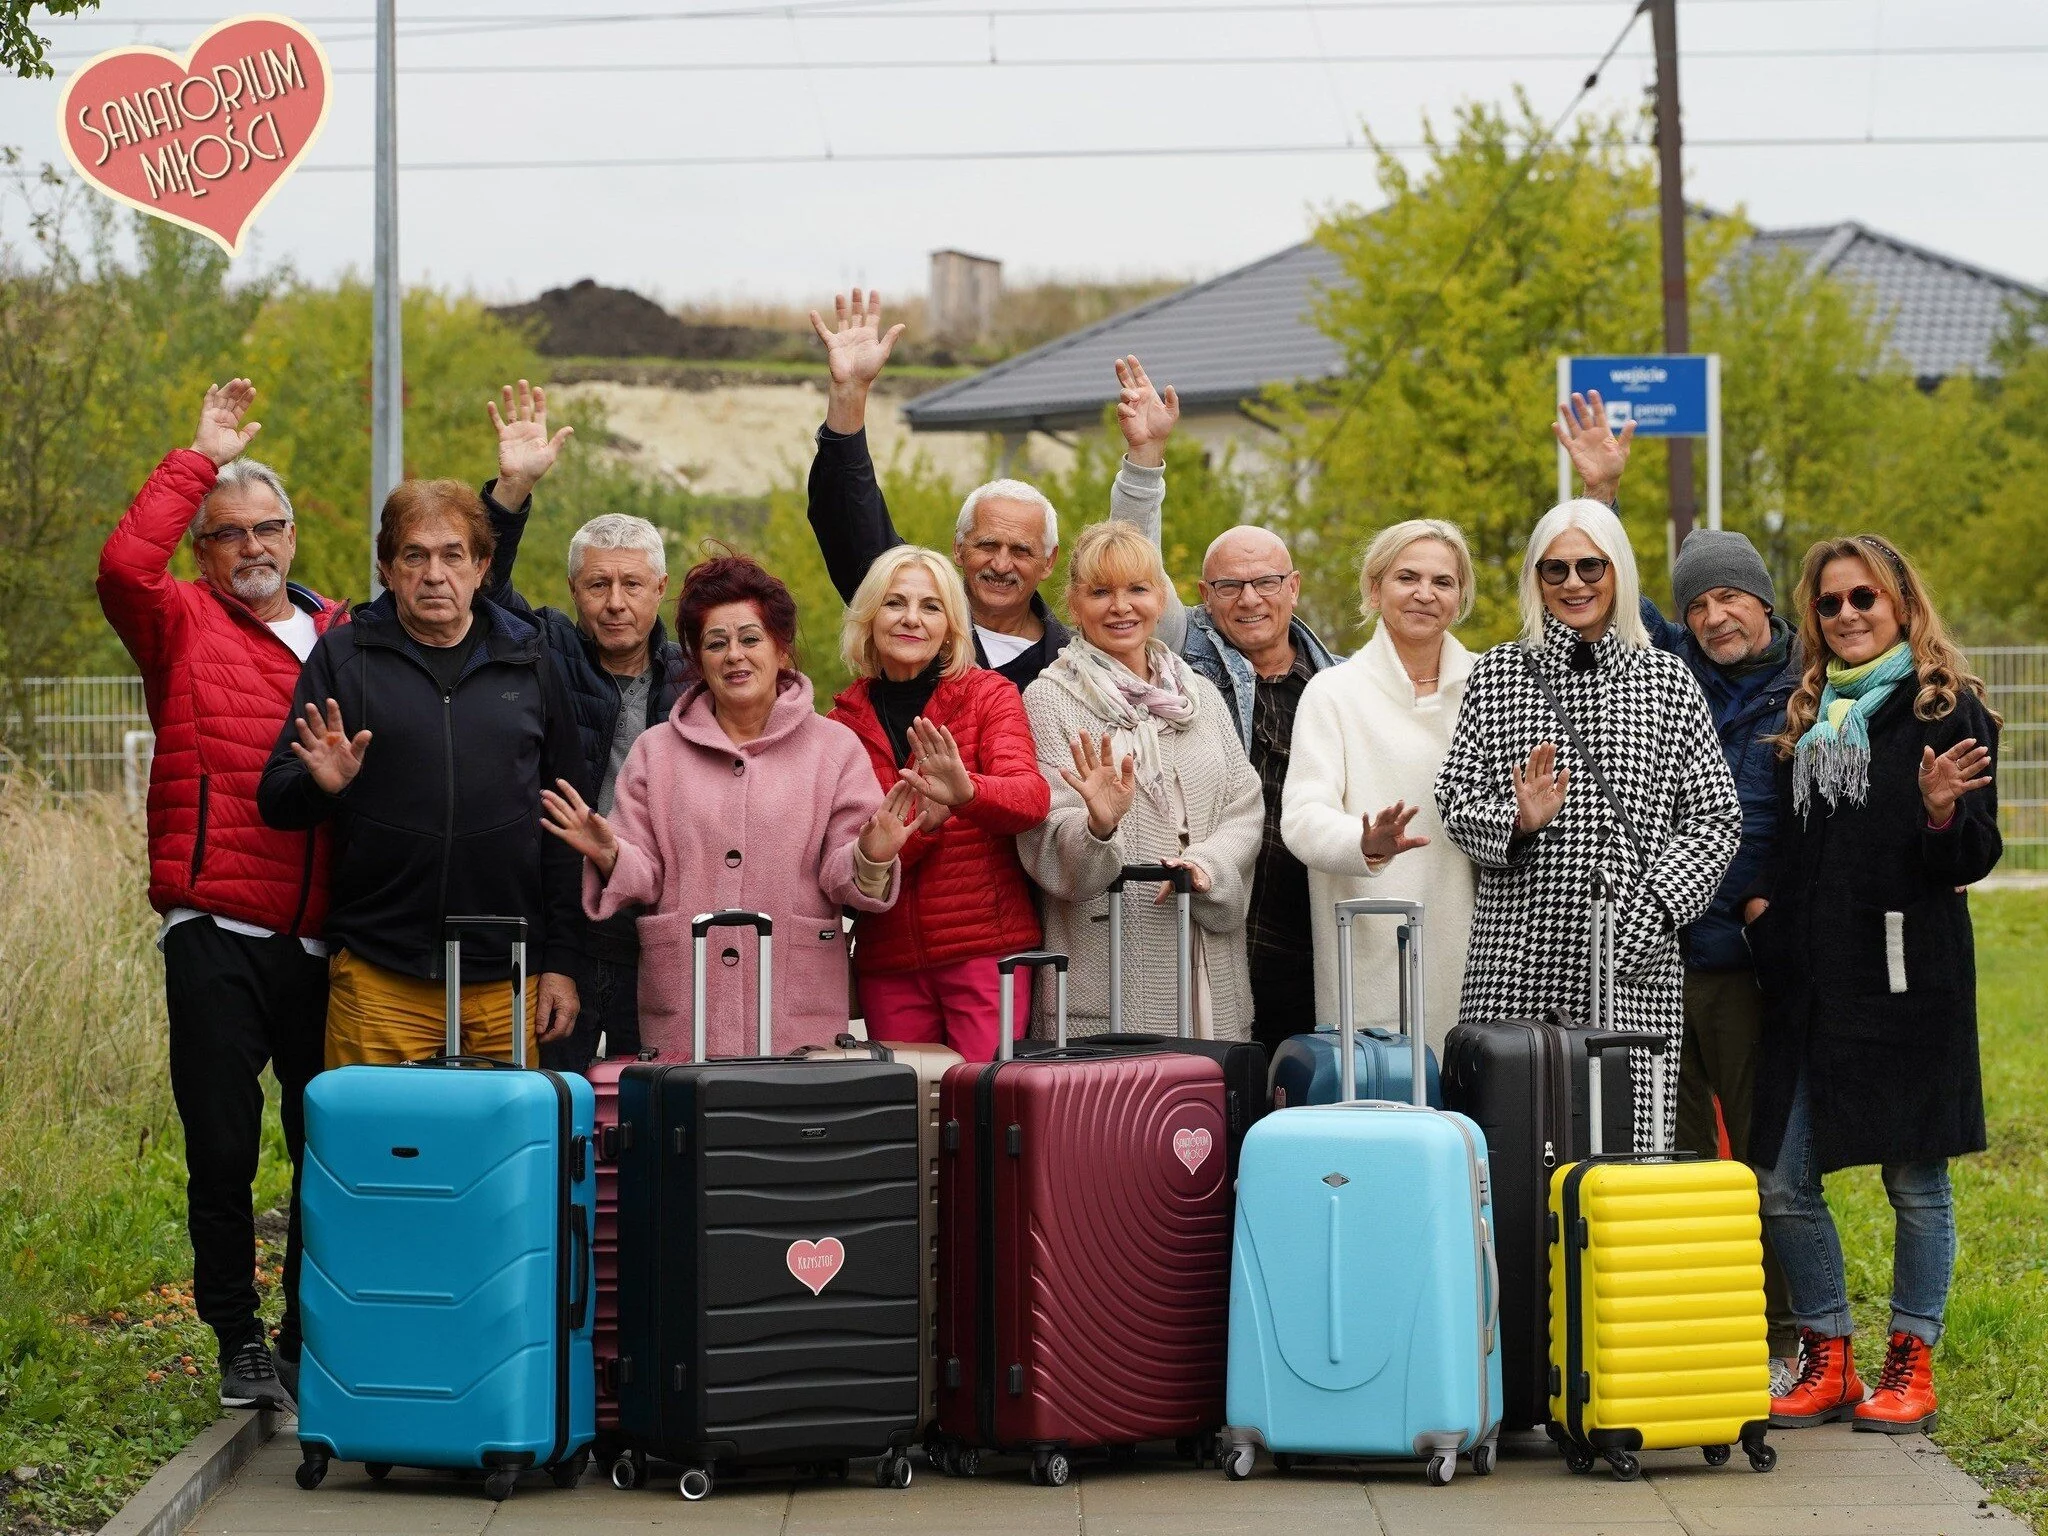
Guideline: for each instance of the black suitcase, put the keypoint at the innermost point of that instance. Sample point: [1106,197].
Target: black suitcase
[769,1263]
[1523,1081]
[1246,1093]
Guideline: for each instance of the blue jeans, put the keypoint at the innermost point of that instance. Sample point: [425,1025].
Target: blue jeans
[1802,1233]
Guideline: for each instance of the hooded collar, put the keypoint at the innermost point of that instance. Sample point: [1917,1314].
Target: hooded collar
[696,721]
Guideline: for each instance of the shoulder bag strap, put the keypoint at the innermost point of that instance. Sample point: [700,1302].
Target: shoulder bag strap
[1628,827]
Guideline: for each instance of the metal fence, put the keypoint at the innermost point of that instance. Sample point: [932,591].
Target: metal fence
[86,734]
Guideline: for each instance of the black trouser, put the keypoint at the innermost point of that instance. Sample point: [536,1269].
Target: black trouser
[1283,998]
[236,1003]
[609,995]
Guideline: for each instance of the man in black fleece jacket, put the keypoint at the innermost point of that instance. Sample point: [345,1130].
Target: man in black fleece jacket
[425,728]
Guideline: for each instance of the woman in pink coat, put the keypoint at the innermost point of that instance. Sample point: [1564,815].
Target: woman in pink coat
[745,798]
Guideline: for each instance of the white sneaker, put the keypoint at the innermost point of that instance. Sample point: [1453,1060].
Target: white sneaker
[1784,1373]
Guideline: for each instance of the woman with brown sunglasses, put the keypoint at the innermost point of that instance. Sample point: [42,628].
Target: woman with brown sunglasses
[1861,933]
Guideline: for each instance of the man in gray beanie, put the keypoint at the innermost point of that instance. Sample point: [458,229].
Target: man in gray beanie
[1746,661]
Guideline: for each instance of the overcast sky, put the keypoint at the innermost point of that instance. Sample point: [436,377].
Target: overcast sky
[1864,69]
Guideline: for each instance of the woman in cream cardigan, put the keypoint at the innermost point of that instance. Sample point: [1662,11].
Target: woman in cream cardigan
[1359,808]
[1145,768]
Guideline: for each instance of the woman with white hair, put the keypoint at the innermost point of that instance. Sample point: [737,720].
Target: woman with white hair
[1368,739]
[1581,749]
[956,733]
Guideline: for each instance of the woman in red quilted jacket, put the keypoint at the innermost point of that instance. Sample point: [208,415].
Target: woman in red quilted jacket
[930,718]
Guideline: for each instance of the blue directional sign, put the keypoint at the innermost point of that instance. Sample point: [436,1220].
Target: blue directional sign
[1664,395]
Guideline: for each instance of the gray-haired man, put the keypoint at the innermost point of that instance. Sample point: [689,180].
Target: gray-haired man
[620,669]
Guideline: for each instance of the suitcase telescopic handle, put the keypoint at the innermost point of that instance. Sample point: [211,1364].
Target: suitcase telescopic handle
[1183,882]
[1408,947]
[1006,988]
[452,930]
[1624,1040]
[1601,1012]
[764,965]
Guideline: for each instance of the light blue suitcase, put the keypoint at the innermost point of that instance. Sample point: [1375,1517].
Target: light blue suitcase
[446,1288]
[1364,1295]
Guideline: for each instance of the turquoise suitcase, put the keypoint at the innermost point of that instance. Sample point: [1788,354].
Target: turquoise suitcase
[446,1287]
[1364,1293]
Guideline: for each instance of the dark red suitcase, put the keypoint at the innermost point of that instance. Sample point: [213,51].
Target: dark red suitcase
[604,1248]
[1084,1250]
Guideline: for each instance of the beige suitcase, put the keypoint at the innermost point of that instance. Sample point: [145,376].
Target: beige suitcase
[930,1063]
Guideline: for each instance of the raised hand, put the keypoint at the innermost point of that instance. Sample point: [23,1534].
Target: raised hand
[1539,790]
[854,354]
[1944,780]
[221,435]
[330,754]
[1386,833]
[1145,416]
[1199,883]
[1596,453]
[890,827]
[578,825]
[525,451]
[936,770]
[1106,787]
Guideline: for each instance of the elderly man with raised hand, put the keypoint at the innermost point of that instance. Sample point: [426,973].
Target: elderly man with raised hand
[1006,537]
[245,980]
[1246,640]
[623,674]
[426,730]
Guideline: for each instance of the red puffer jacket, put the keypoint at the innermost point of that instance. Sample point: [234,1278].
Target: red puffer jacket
[964,893]
[219,685]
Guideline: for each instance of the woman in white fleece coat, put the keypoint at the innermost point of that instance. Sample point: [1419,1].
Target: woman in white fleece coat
[1359,808]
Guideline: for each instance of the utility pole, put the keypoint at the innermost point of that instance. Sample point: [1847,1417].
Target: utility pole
[387,370]
[1671,207]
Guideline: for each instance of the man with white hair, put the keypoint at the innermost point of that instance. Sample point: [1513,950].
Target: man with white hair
[1006,537]
[245,973]
[622,673]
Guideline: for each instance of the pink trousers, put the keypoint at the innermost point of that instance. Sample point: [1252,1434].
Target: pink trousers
[956,1005]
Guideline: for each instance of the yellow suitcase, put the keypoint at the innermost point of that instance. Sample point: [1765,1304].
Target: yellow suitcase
[1657,1334]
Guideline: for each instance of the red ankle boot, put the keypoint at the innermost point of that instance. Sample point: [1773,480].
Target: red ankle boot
[1903,1403]
[1827,1389]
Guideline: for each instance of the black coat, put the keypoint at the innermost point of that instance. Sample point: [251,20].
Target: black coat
[444,817]
[1867,960]
[593,697]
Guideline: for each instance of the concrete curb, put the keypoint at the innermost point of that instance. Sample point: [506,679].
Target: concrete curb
[172,1499]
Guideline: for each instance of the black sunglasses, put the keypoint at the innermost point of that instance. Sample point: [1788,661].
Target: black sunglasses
[1556,573]
[1862,599]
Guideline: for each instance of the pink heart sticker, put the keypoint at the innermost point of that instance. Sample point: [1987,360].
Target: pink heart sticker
[204,140]
[816,1263]
[1192,1147]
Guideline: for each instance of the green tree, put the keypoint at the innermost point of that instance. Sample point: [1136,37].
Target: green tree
[22,49]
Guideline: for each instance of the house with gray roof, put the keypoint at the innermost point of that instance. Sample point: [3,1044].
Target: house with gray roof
[1223,341]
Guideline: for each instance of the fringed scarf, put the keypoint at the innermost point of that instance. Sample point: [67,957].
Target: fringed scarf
[1834,754]
[1130,705]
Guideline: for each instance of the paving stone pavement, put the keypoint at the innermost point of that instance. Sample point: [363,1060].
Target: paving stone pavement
[1828,1482]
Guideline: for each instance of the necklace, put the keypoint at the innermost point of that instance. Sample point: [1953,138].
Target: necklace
[1419,681]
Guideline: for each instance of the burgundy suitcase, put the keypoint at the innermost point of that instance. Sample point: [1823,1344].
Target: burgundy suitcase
[1084,1250]
[604,1247]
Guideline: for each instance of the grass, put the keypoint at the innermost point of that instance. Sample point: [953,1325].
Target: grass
[105,1372]
[1991,1371]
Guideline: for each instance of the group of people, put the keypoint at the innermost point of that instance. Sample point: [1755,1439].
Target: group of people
[1790,807]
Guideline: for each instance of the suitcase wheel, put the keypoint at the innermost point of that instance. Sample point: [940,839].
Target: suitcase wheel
[1717,1455]
[1283,1461]
[378,1470]
[1443,1466]
[568,1473]
[966,1461]
[893,1471]
[312,1470]
[629,1470]
[1484,1457]
[1762,1456]
[696,1484]
[499,1485]
[1626,1468]
[1578,1459]
[1051,1469]
[1238,1462]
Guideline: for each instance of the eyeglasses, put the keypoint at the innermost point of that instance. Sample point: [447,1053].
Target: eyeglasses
[1265,586]
[1556,573]
[1862,599]
[269,531]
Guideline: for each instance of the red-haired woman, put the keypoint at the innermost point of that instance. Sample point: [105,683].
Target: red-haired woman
[1887,810]
[747,798]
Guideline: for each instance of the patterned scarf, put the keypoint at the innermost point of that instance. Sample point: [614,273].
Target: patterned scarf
[1132,706]
[1834,754]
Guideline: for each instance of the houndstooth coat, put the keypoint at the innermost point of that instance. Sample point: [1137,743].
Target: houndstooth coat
[1641,714]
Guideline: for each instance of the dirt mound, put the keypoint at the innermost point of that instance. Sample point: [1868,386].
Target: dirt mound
[589,320]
